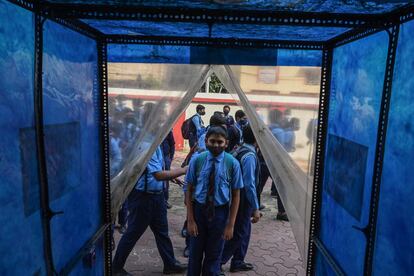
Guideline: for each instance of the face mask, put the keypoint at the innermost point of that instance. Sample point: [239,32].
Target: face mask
[226,112]
[215,150]
[243,122]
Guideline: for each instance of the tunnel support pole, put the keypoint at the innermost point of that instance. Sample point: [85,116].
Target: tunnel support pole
[46,212]
[104,132]
[326,69]
[370,230]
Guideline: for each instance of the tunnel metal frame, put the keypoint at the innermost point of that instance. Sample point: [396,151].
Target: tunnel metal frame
[324,97]
[362,25]
[370,229]
[46,212]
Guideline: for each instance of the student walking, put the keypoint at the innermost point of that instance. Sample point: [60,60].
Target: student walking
[213,193]
[147,207]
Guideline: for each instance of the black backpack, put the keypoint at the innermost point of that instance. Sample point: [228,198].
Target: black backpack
[187,128]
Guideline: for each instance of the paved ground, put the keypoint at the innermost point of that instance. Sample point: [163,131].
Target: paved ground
[272,250]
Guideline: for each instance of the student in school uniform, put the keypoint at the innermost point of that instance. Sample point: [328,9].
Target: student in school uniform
[197,125]
[215,120]
[248,213]
[147,207]
[213,193]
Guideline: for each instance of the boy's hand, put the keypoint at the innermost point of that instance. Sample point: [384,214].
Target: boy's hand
[192,228]
[228,232]
[177,181]
[256,216]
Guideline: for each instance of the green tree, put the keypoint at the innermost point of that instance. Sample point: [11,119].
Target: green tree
[216,86]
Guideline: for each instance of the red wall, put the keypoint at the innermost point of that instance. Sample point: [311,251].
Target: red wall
[179,140]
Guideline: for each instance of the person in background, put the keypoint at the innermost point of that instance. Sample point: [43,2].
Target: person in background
[146,206]
[311,132]
[234,134]
[248,212]
[138,110]
[276,121]
[216,120]
[213,192]
[198,124]
[168,150]
[290,136]
[241,122]
[229,118]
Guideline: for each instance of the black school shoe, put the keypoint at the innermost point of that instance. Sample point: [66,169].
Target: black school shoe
[241,267]
[176,268]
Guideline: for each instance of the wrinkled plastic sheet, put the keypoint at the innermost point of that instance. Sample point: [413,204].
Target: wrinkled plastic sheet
[72,141]
[21,245]
[134,53]
[356,90]
[291,171]
[145,100]
[395,235]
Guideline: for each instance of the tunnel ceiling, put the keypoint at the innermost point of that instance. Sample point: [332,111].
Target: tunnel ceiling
[331,6]
[298,21]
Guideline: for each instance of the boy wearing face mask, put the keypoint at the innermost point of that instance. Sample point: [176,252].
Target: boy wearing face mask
[241,122]
[213,193]
[198,125]
[227,116]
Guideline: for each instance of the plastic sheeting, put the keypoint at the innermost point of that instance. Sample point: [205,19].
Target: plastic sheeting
[356,90]
[19,197]
[211,55]
[290,169]
[333,6]
[142,116]
[395,235]
[72,141]
[239,31]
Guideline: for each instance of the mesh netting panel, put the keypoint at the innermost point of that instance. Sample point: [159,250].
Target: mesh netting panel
[145,100]
[284,127]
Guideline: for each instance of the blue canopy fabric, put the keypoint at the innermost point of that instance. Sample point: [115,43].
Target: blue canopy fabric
[332,6]
[238,31]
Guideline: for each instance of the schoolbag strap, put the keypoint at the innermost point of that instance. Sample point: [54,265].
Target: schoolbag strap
[228,163]
[146,180]
[201,159]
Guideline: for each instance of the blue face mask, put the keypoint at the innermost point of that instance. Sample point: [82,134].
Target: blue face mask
[243,122]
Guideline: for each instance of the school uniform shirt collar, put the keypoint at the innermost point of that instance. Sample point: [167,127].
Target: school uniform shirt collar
[218,158]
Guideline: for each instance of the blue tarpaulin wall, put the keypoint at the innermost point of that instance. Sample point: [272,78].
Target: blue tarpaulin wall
[211,55]
[71,102]
[72,141]
[394,245]
[356,89]
[358,74]
[21,244]
[71,119]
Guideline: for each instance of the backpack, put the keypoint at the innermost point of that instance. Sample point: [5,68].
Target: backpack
[187,128]
[228,163]
[239,153]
